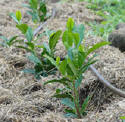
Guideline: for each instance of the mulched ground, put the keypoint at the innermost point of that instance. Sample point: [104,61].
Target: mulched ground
[23,99]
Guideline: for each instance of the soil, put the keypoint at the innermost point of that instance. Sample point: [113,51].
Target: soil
[24,99]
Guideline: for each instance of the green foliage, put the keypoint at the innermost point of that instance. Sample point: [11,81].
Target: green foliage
[72,67]
[8,42]
[42,66]
[37,9]
[112,11]
[122,118]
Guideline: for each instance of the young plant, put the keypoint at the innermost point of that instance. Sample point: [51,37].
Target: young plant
[38,10]
[42,66]
[72,68]
[8,42]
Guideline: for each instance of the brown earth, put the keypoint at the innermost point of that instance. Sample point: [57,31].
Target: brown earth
[23,99]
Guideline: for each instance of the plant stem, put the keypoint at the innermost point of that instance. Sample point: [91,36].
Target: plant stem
[76,101]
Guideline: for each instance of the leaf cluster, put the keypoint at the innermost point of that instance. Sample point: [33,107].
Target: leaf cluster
[72,67]
[42,66]
[37,9]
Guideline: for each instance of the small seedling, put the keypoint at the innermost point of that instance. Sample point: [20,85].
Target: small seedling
[72,67]
[37,9]
[42,66]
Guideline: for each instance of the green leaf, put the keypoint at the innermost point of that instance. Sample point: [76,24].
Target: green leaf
[46,49]
[86,66]
[34,59]
[76,39]
[18,15]
[22,27]
[51,60]
[4,38]
[68,103]
[85,104]
[81,58]
[35,16]
[73,55]
[11,40]
[30,45]
[62,67]
[68,39]
[62,81]
[70,113]
[33,4]
[122,117]
[15,41]
[72,66]
[14,17]
[79,29]
[78,82]
[97,46]
[29,34]
[69,72]
[70,24]
[62,96]
[57,60]
[42,11]
[54,39]
[30,71]
[27,49]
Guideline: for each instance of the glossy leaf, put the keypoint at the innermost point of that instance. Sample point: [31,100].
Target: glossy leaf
[18,15]
[46,49]
[72,66]
[31,71]
[11,40]
[62,67]
[80,30]
[97,46]
[29,34]
[57,60]
[34,4]
[27,49]
[68,103]
[34,59]
[22,27]
[85,104]
[30,45]
[70,24]
[68,39]
[78,82]
[54,39]
[76,39]
[14,17]
[51,60]
[63,95]
[70,113]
